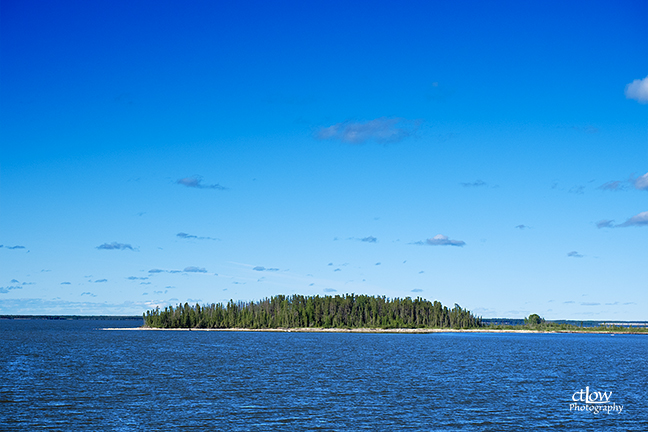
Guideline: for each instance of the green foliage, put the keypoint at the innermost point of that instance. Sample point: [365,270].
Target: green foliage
[349,311]
[533,320]
[545,326]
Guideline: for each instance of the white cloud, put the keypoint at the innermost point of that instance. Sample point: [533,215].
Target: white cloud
[640,219]
[638,90]
[641,183]
[196,182]
[194,237]
[261,268]
[605,223]
[441,240]
[115,246]
[193,269]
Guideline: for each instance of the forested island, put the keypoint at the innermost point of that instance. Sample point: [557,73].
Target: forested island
[297,311]
[352,312]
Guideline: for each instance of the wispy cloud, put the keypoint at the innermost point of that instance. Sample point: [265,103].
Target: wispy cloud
[261,268]
[590,129]
[192,269]
[329,290]
[590,304]
[193,237]
[6,289]
[476,183]
[417,290]
[88,294]
[574,254]
[605,223]
[196,182]
[521,227]
[441,240]
[369,239]
[136,278]
[115,246]
[381,130]
[101,280]
[66,283]
[641,183]
[638,220]
[13,247]
[638,90]
[578,190]
[615,185]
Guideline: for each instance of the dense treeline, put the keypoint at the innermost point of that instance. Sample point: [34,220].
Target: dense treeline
[349,311]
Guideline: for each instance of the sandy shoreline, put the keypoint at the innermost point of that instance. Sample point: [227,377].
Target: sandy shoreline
[375,330]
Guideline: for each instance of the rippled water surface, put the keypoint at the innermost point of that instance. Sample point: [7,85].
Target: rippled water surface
[70,375]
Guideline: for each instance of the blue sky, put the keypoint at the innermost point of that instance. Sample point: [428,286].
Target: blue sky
[493,155]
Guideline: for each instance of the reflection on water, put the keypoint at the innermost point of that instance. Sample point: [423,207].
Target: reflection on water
[71,375]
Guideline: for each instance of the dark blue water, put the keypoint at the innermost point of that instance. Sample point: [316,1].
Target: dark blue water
[68,375]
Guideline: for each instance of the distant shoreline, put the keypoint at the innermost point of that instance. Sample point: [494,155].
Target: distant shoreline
[74,317]
[378,330]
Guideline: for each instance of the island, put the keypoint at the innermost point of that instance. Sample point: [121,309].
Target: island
[297,311]
[349,312]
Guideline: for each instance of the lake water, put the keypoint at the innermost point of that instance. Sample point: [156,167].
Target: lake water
[70,375]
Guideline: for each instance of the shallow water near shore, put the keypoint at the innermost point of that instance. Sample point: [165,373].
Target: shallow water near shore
[70,375]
